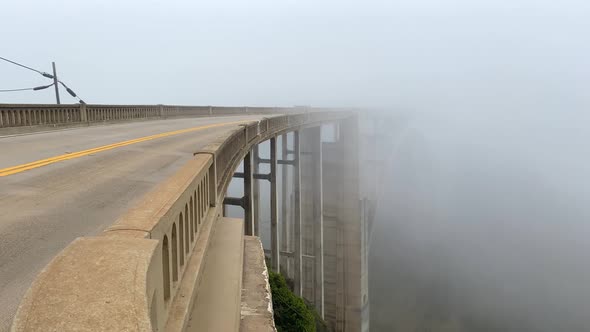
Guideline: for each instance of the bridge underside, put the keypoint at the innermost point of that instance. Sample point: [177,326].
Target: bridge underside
[301,196]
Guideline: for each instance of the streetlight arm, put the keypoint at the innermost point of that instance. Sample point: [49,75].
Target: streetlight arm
[37,88]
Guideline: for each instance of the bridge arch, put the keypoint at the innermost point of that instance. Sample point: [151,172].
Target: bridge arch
[174,253]
[196,220]
[202,187]
[192,219]
[207,190]
[187,242]
[199,198]
[166,268]
[181,238]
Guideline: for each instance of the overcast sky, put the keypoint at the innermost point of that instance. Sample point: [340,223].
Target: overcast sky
[412,54]
[500,60]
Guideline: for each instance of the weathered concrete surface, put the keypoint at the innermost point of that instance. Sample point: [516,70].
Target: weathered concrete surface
[180,310]
[344,255]
[146,216]
[257,313]
[44,209]
[122,294]
[217,302]
[312,225]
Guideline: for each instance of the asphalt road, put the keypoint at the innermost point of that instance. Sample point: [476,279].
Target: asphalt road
[43,209]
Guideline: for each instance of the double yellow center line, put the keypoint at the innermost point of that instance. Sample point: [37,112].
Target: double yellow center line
[73,155]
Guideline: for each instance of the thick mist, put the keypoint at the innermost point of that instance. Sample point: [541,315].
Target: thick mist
[483,226]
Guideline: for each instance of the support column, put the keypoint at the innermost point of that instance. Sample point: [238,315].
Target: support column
[248,193]
[318,216]
[346,299]
[312,229]
[274,212]
[256,190]
[297,215]
[285,242]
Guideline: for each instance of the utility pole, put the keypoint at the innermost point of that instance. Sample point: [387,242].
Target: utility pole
[55,84]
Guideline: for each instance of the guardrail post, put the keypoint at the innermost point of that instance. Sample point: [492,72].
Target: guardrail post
[83,113]
[161,107]
[274,211]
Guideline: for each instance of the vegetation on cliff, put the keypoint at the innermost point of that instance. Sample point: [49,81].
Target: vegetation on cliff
[290,311]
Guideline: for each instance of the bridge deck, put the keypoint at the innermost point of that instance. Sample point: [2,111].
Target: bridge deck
[43,209]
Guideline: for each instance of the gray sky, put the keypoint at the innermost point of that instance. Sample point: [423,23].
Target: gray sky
[412,54]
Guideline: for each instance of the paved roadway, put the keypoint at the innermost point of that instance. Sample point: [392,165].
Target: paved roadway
[43,209]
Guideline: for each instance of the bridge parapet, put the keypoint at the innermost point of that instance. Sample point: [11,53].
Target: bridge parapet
[228,153]
[33,115]
[28,115]
[277,122]
[134,276]
[252,131]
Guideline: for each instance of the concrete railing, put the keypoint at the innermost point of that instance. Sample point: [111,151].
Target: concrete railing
[141,272]
[103,113]
[23,115]
[32,115]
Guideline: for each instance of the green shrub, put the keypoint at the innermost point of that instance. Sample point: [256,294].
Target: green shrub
[290,312]
[320,324]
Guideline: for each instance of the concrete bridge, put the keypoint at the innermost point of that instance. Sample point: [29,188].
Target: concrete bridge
[132,219]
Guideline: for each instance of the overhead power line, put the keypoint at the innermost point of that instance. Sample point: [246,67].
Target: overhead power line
[27,67]
[28,89]
[13,90]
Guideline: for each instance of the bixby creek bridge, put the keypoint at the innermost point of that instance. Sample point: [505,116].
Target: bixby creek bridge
[119,218]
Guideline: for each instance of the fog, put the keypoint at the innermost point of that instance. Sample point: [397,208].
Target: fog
[483,223]
[484,227]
